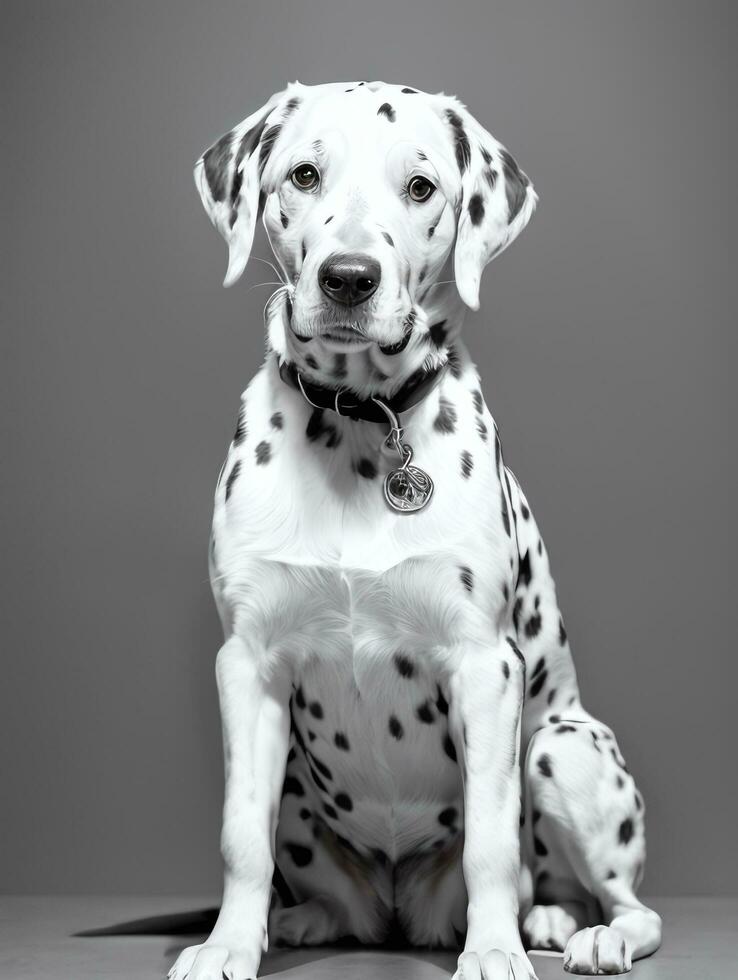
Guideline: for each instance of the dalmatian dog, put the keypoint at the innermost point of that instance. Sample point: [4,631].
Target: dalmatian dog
[405,745]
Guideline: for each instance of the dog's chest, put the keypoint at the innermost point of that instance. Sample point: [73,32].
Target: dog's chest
[369,609]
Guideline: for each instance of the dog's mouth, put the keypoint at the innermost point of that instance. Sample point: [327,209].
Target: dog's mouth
[341,337]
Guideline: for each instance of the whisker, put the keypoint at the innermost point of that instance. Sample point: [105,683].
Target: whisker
[254,285]
[276,271]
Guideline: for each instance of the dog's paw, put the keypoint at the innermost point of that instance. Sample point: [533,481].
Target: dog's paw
[548,927]
[494,965]
[597,951]
[309,924]
[206,962]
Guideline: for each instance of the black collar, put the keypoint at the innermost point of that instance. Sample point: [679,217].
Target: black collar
[345,402]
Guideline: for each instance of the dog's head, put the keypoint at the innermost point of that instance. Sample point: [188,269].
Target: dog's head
[366,191]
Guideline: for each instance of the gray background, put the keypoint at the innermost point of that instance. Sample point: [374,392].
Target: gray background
[606,342]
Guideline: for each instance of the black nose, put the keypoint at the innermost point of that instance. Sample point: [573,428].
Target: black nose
[349,279]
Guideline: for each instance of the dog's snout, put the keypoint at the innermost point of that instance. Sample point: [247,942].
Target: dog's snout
[349,279]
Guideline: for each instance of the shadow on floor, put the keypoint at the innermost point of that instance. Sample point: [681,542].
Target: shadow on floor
[196,925]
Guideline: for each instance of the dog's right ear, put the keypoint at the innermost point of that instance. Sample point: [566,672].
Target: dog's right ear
[228,176]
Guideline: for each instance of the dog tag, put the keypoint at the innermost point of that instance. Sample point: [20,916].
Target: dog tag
[408,489]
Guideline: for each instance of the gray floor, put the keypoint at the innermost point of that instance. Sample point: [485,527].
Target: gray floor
[36,941]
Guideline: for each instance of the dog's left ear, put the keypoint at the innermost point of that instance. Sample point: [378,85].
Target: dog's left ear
[497,199]
[228,178]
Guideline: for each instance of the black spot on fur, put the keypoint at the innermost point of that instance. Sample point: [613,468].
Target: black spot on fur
[454,363]
[619,781]
[215,163]
[537,684]
[240,434]
[284,219]
[565,728]
[388,238]
[551,696]
[366,468]
[503,498]
[316,709]
[638,801]
[476,209]
[461,140]
[467,463]
[291,105]
[491,177]
[263,453]
[533,626]
[305,813]
[277,420]
[524,571]
[409,91]
[387,111]
[544,765]
[268,140]
[445,421]
[343,800]
[299,698]
[441,702]
[625,831]
[395,727]
[447,817]
[330,811]
[517,609]
[321,767]
[539,847]
[524,511]
[506,669]
[448,748]
[562,632]
[478,400]
[467,577]
[340,741]
[405,666]
[328,219]
[431,231]
[437,333]
[232,477]
[482,430]
[610,875]
[425,713]
[293,786]
[301,855]
[316,428]
[516,184]
[318,781]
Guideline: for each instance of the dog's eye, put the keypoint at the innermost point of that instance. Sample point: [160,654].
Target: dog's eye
[420,189]
[305,176]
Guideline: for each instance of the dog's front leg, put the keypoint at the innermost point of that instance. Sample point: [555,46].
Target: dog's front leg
[254,706]
[485,717]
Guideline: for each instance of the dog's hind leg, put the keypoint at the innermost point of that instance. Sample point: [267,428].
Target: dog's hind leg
[584,833]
